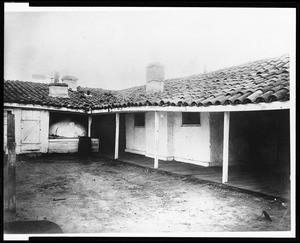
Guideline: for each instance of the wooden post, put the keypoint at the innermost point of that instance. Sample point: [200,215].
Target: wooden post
[225,147]
[156,126]
[117,135]
[11,163]
[90,126]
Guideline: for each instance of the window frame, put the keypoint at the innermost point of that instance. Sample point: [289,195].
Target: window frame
[186,121]
[141,117]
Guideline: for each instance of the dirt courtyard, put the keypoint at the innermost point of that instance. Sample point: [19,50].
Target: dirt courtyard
[99,195]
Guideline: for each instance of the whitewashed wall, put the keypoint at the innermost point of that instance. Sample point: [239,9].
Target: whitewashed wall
[164,135]
[135,136]
[183,143]
[191,143]
[4,129]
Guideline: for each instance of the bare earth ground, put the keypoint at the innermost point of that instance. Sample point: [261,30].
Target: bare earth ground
[105,196]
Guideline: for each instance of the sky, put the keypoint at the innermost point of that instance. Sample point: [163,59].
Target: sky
[110,47]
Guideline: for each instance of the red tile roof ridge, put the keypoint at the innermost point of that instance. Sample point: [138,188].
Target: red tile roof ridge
[249,63]
[22,81]
[235,82]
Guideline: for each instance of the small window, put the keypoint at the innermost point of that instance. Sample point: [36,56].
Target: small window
[190,118]
[139,119]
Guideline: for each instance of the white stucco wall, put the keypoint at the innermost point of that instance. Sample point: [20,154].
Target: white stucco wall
[4,129]
[164,152]
[135,136]
[183,143]
[191,143]
[140,140]
[170,136]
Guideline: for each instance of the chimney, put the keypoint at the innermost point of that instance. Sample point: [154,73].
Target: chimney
[71,81]
[56,76]
[155,77]
[58,90]
[204,70]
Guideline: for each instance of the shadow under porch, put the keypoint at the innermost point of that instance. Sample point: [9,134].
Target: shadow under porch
[273,183]
[259,159]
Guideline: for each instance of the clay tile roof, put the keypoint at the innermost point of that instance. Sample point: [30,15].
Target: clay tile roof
[254,82]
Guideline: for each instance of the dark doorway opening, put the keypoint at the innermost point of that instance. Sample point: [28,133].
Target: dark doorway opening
[259,149]
[262,138]
[104,128]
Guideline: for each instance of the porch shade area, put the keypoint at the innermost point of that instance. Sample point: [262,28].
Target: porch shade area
[256,139]
[104,127]
[254,179]
[257,151]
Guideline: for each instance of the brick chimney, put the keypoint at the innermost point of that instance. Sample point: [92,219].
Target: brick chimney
[58,90]
[71,81]
[155,73]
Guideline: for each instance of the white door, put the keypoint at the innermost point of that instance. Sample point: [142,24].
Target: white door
[30,131]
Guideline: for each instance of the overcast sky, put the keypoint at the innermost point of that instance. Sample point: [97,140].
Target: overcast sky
[110,48]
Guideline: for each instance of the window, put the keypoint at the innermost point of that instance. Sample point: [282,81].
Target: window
[139,119]
[190,118]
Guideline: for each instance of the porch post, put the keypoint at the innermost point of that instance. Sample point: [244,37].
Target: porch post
[156,121]
[90,125]
[11,163]
[225,147]
[117,135]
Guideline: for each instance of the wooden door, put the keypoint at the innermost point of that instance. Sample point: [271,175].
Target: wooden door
[30,131]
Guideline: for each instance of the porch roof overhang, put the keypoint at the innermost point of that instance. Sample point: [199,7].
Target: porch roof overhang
[42,107]
[278,105]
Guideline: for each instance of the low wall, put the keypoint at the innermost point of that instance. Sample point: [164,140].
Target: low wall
[69,145]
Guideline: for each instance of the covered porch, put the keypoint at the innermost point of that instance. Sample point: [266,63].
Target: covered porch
[275,184]
[252,145]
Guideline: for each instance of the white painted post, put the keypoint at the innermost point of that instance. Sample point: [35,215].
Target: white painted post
[225,147]
[90,125]
[156,122]
[117,135]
